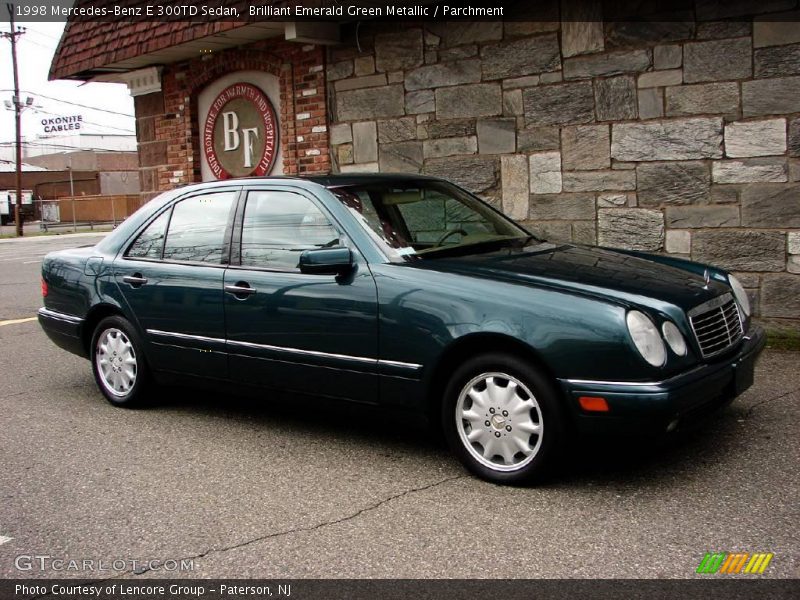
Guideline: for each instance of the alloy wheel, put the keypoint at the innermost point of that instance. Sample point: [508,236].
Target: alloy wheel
[499,421]
[116,363]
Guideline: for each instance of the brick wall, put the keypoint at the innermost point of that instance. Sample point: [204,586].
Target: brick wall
[680,137]
[167,122]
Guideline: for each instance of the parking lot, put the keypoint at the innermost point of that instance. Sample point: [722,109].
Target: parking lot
[288,487]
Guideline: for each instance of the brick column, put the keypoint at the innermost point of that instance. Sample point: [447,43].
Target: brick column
[152,152]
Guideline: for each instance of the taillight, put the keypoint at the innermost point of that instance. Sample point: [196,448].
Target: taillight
[44,288]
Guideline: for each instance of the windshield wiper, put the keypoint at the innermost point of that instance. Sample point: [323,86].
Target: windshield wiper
[481,246]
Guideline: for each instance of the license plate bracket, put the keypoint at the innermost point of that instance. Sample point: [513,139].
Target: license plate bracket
[744,375]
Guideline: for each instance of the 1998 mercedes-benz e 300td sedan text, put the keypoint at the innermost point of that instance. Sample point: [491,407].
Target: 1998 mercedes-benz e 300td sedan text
[408,292]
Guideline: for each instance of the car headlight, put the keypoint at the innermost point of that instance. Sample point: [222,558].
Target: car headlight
[674,338]
[740,294]
[646,338]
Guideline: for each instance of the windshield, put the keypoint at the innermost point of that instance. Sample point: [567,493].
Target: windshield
[427,219]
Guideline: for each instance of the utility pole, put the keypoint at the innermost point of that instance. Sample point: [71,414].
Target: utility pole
[12,37]
[72,196]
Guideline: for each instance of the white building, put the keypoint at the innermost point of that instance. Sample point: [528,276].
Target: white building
[44,145]
[79,141]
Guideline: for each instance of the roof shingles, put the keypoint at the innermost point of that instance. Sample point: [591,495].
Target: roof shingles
[88,46]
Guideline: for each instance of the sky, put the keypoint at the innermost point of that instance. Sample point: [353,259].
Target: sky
[34,53]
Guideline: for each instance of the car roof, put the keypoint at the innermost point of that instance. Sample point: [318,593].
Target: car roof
[328,181]
[350,179]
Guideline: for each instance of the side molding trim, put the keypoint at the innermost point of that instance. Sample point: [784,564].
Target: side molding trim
[296,351]
[58,316]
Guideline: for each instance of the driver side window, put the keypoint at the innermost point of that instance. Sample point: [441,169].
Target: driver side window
[279,226]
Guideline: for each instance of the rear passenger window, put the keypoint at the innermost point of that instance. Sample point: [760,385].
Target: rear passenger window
[151,241]
[197,228]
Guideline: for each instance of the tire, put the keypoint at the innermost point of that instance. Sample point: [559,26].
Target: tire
[118,363]
[502,419]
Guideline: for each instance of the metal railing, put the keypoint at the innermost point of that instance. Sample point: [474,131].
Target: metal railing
[86,211]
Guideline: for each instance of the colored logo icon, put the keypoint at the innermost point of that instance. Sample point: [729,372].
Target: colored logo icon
[733,563]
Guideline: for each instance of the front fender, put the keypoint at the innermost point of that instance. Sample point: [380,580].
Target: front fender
[422,312]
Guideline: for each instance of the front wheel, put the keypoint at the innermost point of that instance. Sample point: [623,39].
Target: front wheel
[502,420]
[118,363]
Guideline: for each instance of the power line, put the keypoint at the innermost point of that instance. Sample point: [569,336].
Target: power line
[111,112]
[67,147]
[39,110]
[47,35]
[63,147]
[105,110]
[30,41]
[51,48]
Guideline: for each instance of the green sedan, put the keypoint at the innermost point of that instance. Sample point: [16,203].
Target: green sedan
[406,292]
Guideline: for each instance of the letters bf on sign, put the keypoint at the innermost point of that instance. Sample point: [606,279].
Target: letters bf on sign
[240,135]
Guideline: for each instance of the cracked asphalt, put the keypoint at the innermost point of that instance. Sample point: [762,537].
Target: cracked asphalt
[298,488]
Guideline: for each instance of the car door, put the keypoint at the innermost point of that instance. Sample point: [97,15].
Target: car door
[171,277]
[295,331]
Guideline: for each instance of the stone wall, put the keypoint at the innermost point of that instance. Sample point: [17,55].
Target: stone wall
[679,137]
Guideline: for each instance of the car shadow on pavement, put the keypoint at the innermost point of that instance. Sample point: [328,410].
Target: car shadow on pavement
[309,414]
[642,460]
[586,460]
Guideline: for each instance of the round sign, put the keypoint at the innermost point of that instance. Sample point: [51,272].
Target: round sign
[240,136]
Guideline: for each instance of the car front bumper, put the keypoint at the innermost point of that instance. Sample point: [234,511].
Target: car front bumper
[680,401]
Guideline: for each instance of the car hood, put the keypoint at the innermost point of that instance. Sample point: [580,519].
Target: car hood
[607,273]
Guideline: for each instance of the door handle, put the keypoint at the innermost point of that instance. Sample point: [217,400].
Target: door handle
[240,289]
[135,280]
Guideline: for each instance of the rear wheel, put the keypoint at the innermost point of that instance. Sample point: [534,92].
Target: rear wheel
[118,363]
[502,420]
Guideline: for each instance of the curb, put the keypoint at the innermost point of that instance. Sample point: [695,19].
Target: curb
[38,238]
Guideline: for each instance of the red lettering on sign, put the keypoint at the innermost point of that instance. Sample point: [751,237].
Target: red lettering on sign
[267,125]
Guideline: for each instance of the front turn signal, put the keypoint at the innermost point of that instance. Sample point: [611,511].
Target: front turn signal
[593,404]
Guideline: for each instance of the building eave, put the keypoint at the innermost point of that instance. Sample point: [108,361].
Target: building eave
[182,45]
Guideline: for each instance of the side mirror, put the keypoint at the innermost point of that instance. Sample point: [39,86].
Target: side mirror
[326,261]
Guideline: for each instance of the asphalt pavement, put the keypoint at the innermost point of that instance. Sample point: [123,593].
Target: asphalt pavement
[289,488]
[20,267]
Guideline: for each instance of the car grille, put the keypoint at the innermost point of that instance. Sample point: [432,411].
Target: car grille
[717,325]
